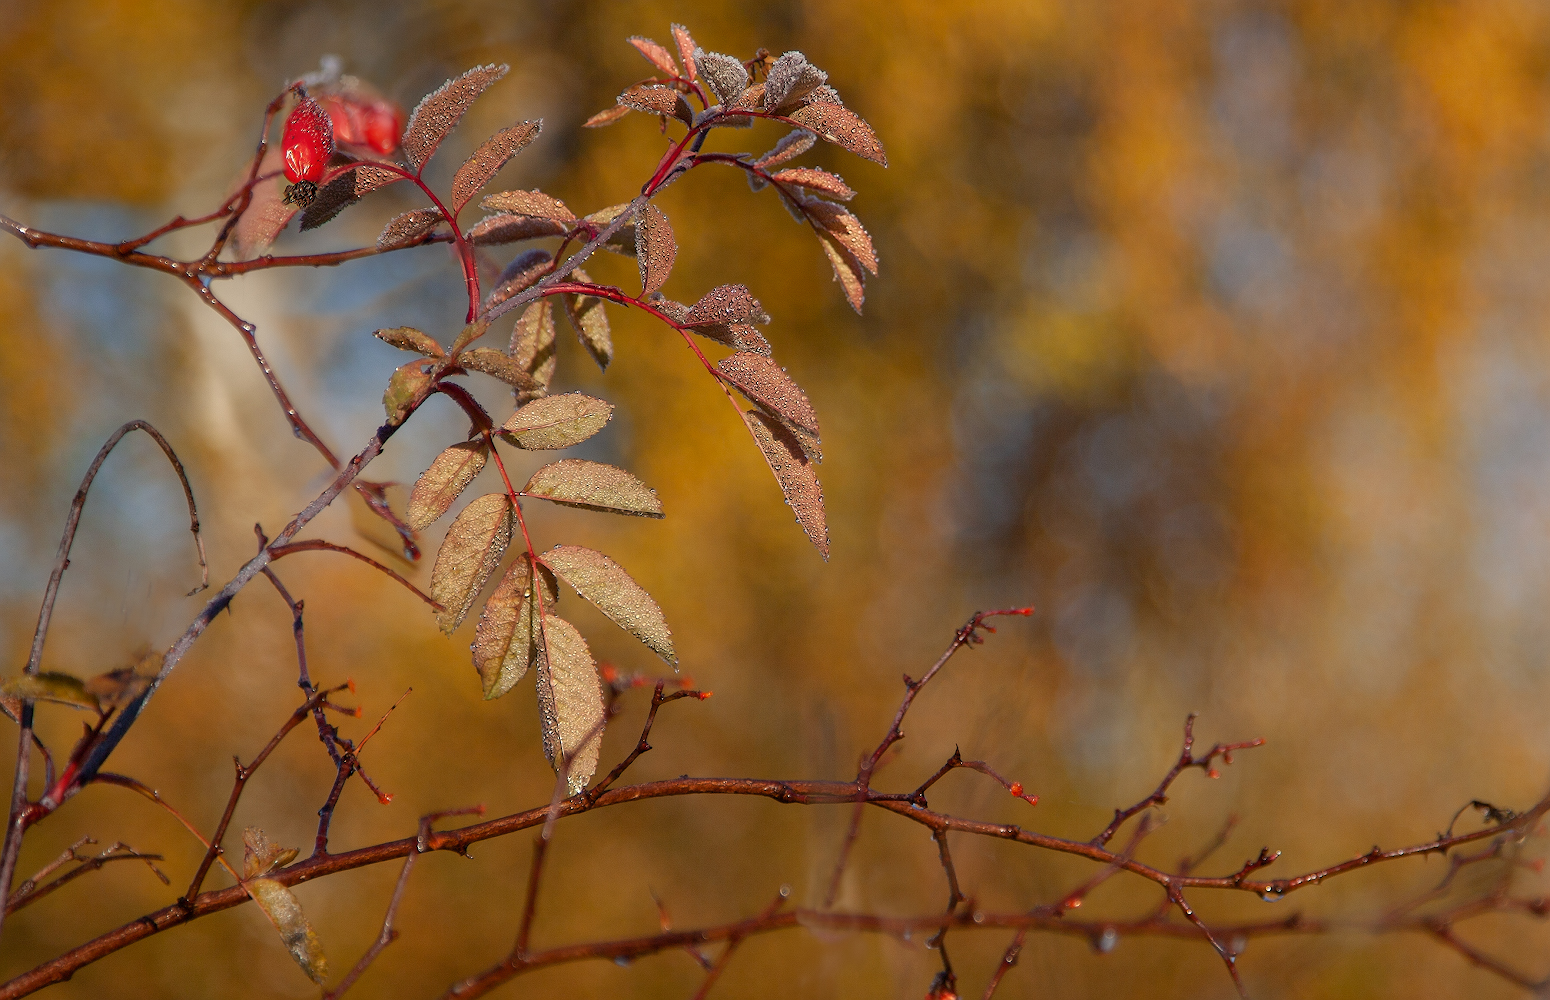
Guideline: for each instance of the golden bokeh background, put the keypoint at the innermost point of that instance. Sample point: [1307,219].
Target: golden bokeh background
[1217,331]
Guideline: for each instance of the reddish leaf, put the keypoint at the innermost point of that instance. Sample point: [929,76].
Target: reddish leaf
[534,203]
[795,474]
[407,338]
[487,160]
[495,229]
[587,318]
[440,111]
[657,100]
[570,702]
[845,228]
[792,144]
[656,55]
[767,384]
[440,485]
[843,127]
[726,304]
[606,117]
[847,269]
[408,227]
[557,421]
[816,180]
[469,554]
[368,179]
[615,593]
[576,482]
[519,275]
[655,247]
[532,346]
[498,364]
[686,49]
[741,336]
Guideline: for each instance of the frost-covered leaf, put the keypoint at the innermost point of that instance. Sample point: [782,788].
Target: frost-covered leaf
[791,79]
[557,421]
[570,702]
[767,384]
[792,144]
[847,269]
[615,593]
[331,199]
[816,180]
[487,160]
[284,911]
[503,228]
[407,338]
[408,227]
[727,75]
[524,270]
[795,474]
[439,111]
[657,100]
[406,385]
[60,688]
[440,485]
[845,228]
[741,336]
[534,203]
[656,55]
[260,855]
[469,554]
[369,178]
[726,304]
[506,640]
[686,49]
[532,346]
[607,116]
[655,247]
[587,318]
[498,364]
[576,482]
[842,127]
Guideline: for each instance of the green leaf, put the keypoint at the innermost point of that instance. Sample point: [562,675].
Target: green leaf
[440,485]
[284,911]
[472,549]
[605,584]
[60,688]
[408,384]
[506,641]
[407,338]
[557,421]
[570,702]
[595,486]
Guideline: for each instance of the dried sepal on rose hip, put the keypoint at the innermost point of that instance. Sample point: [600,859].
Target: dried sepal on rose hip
[306,145]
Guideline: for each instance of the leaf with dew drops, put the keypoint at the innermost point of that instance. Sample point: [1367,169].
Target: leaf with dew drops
[407,338]
[587,318]
[439,112]
[814,179]
[655,247]
[795,474]
[570,702]
[440,485]
[577,482]
[405,386]
[727,75]
[486,161]
[506,640]
[615,593]
[655,54]
[472,549]
[408,227]
[557,421]
[767,384]
[533,347]
[843,127]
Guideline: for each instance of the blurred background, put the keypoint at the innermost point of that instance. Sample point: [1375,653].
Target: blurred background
[1216,331]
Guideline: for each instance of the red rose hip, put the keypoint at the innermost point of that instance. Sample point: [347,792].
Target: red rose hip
[306,146]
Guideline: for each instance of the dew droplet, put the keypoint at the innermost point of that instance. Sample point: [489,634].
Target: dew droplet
[1107,940]
[622,961]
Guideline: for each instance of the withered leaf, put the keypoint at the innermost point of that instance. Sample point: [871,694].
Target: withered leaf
[487,160]
[816,180]
[587,318]
[267,213]
[607,116]
[843,127]
[469,554]
[847,269]
[369,178]
[845,228]
[790,80]
[726,304]
[655,247]
[792,144]
[260,855]
[284,911]
[794,472]
[503,228]
[407,338]
[657,100]
[557,421]
[686,49]
[766,383]
[439,111]
[440,485]
[332,198]
[408,227]
[60,688]
[525,269]
[532,346]
[570,702]
[605,584]
[406,385]
[506,639]
[576,482]
[655,54]
[727,75]
[118,688]
[498,364]
[534,203]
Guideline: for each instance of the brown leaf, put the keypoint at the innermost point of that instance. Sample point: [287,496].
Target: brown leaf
[532,346]
[497,364]
[686,49]
[506,640]
[439,111]
[503,228]
[655,54]
[845,228]
[587,318]
[487,160]
[739,335]
[446,479]
[469,554]
[576,482]
[847,269]
[791,79]
[676,311]
[267,213]
[534,203]
[570,702]
[407,338]
[623,241]
[118,688]
[767,384]
[655,247]
[369,178]
[59,688]
[842,127]
[615,593]
[408,227]
[332,198]
[284,911]
[794,472]
[726,304]
[816,180]
[525,269]
[260,855]
[792,144]
[727,75]
[406,385]
[557,421]
[607,116]
[657,100]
